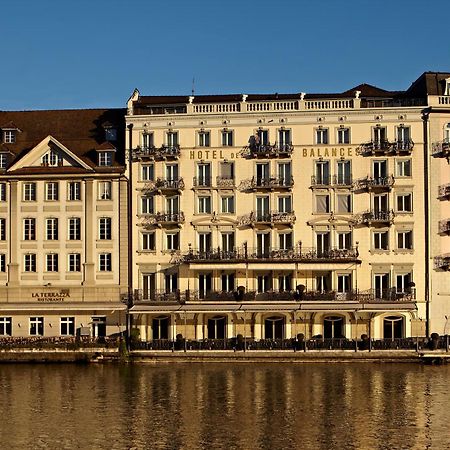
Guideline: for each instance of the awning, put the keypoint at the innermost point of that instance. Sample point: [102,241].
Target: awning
[62,306]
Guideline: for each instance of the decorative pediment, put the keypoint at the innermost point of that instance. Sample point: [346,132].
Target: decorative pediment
[330,220]
[213,219]
[50,153]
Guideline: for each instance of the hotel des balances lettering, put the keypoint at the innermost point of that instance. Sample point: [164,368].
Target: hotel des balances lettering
[273,215]
[63,224]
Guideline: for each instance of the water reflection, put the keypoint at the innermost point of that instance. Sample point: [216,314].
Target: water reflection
[243,406]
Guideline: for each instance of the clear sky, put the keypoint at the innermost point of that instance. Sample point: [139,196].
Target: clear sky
[93,53]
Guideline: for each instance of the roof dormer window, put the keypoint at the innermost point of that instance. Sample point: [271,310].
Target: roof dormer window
[9,136]
[3,160]
[105,158]
[447,87]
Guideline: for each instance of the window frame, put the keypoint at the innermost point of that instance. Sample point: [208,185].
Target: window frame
[3,192]
[52,262]
[377,243]
[29,229]
[74,229]
[73,191]
[404,208]
[105,158]
[104,228]
[29,191]
[105,262]
[345,131]
[51,229]
[52,191]
[104,190]
[68,322]
[148,241]
[74,262]
[29,263]
[36,323]
[6,326]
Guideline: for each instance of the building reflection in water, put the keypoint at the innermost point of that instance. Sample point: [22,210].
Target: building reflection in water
[242,406]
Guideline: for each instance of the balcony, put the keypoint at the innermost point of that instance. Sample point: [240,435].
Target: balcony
[225,183]
[442,262]
[161,185]
[342,181]
[386,148]
[267,151]
[297,254]
[367,296]
[322,181]
[159,296]
[444,192]
[202,182]
[271,183]
[444,226]
[374,184]
[375,218]
[441,149]
[161,219]
[270,218]
[156,153]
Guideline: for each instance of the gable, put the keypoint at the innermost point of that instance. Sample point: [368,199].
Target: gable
[51,154]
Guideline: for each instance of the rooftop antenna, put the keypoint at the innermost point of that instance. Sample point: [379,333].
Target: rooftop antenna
[193,86]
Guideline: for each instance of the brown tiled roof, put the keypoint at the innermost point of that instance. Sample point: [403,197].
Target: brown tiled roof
[9,126]
[429,83]
[80,130]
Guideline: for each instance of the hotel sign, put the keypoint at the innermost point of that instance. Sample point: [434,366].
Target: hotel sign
[50,297]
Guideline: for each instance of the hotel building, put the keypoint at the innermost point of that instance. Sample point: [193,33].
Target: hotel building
[278,214]
[63,230]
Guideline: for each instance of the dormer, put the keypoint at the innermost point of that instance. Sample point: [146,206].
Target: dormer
[3,159]
[9,133]
[105,154]
[447,86]
[110,132]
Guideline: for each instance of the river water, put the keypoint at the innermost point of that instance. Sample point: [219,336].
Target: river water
[230,406]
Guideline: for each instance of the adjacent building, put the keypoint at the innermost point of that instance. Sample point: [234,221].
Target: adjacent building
[63,230]
[274,215]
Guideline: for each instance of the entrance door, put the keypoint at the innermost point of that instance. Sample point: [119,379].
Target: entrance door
[333,327]
[160,326]
[273,327]
[99,326]
[217,327]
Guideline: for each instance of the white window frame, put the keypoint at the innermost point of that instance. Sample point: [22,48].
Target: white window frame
[377,240]
[73,191]
[343,135]
[51,262]
[51,229]
[147,172]
[401,202]
[9,136]
[74,262]
[402,240]
[148,241]
[2,192]
[5,325]
[74,229]
[29,262]
[227,138]
[51,191]
[37,322]
[147,204]
[29,192]
[67,326]
[173,241]
[204,138]
[227,205]
[105,158]
[29,229]
[105,262]
[204,204]
[104,190]
[322,136]
[3,160]
[105,228]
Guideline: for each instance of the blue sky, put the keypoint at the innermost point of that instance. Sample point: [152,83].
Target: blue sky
[80,53]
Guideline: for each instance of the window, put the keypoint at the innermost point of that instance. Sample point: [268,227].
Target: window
[110,134]
[204,204]
[67,326]
[404,240]
[2,229]
[379,135]
[171,282]
[104,262]
[227,240]
[344,203]
[404,202]
[227,204]
[343,136]
[381,240]
[322,242]
[344,283]
[344,240]
[51,262]
[30,262]
[284,138]
[51,229]
[104,190]
[379,170]
[147,205]
[2,192]
[104,228]
[29,192]
[5,326]
[322,173]
[322,203]
[52,158]
[322,136]
[173,241]
[344,173]
[148,241]
[74,262]
[2,262]
[262,174]
[147,140]
[403,285]
[51,191]
[284,174]
[172,138]
[203,139]
[29,229]
[147,172]
[227,138]
[285,204]
[204,174]
[105,158]
[285,241]
[204,242]
[3,160]
[263,208]
[74,229]
[172,204]
[73,190]
[403,168]
[226,174]
[403,135]
[263,136]
[9,136]
[36,326]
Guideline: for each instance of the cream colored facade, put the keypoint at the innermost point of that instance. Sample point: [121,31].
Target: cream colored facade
[326,213]
[55,280]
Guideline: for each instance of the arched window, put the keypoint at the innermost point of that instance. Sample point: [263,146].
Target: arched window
[393,327]
[160,326]
[51,158]
[273,327]
[217,327]
[333,327]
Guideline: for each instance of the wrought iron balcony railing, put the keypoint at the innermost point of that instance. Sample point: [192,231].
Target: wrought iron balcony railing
[267,151]
[225,182]
[159,296]
[442,262]
[386,147]
[441,149]
[267,218]
[295,254]
[157,153]
[444,226]
[343,180]
[322,180]
[273,182]
[163,184]
[161,219]
[444,191]
[375,217]
[202,182]
[366,296]
[372,184]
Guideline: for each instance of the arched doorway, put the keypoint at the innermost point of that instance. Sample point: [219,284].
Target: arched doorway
[274,327]
[160,327]
[333,327]
[217,327]
[393,327]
